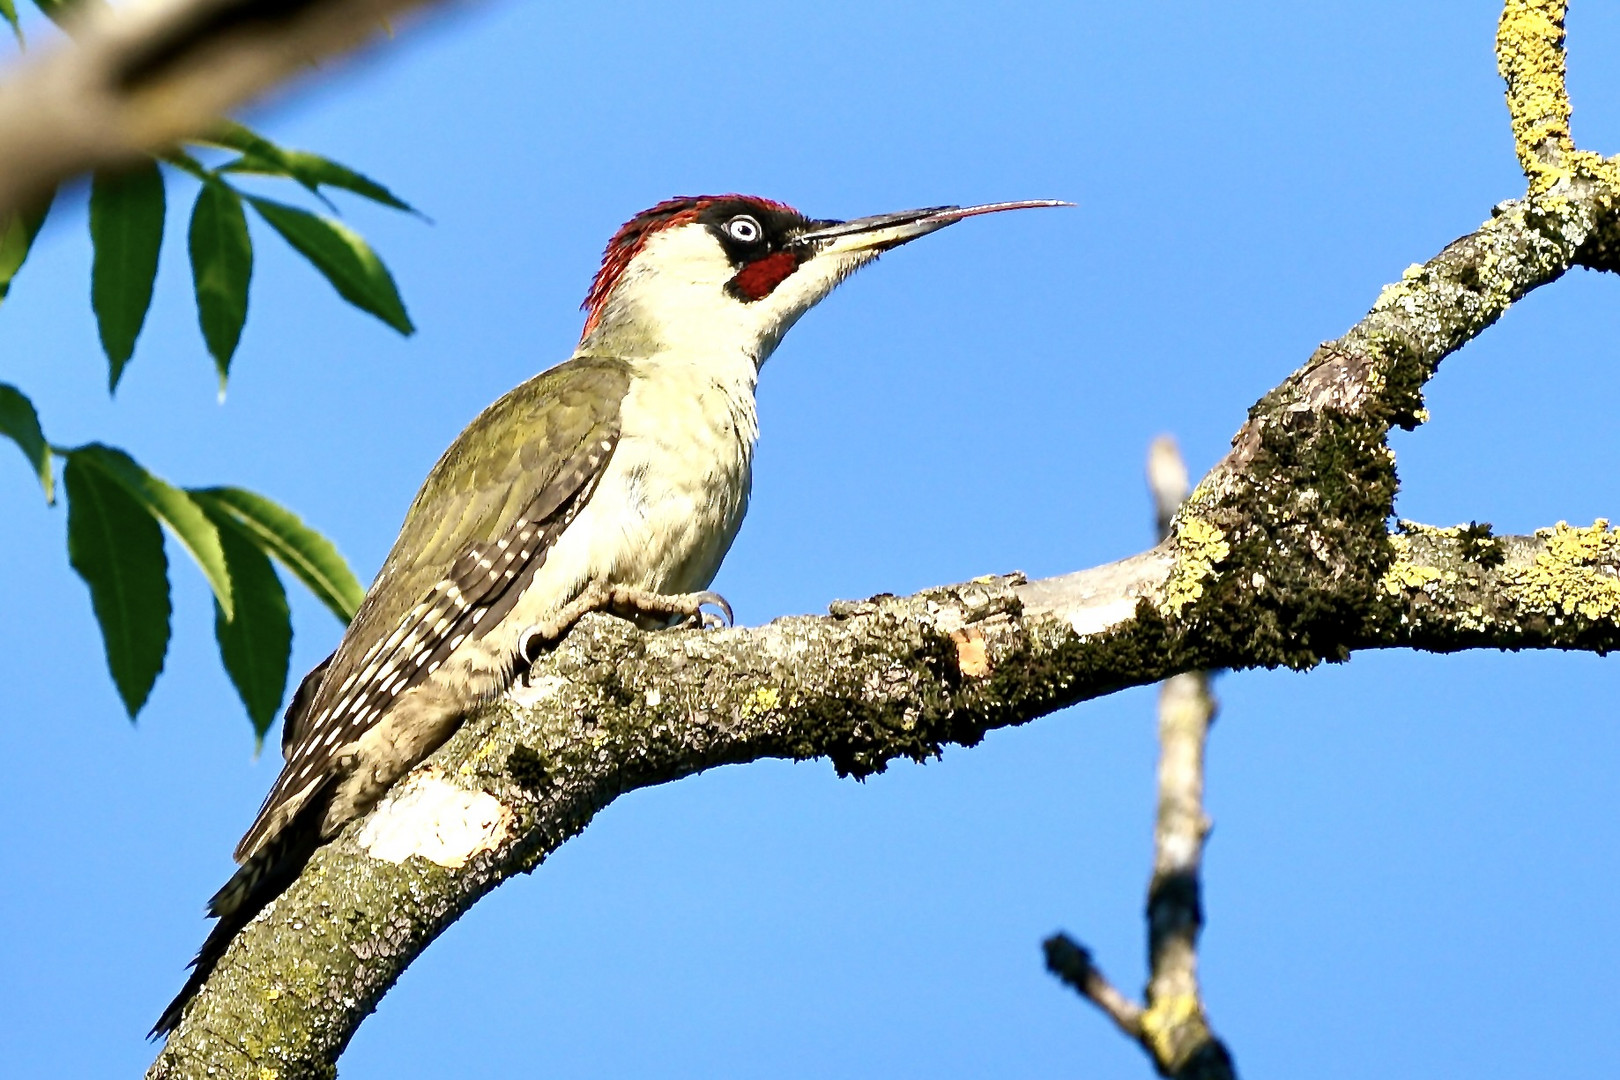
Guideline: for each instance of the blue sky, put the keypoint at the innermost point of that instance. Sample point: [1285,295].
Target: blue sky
[1413,866]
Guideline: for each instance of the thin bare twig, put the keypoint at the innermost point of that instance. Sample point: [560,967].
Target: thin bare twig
[1173,1028]
[1071,962]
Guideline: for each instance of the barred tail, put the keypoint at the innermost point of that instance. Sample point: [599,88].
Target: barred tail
[260,880]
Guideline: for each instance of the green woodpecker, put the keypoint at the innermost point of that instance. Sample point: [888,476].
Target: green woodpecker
[616,480]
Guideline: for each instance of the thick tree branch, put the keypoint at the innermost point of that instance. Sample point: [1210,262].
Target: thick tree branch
[140,77]
[615,709]
[1282,556]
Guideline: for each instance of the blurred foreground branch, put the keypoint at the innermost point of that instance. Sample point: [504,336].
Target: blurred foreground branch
[138,78]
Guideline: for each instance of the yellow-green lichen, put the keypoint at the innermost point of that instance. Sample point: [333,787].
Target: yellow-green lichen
[1391,295]
[1574,576]
[1530,58]
[763,700]
[1413,280]
[485,749]
[1403,574]
[1200,547]
[1173,1028]
[1479,550]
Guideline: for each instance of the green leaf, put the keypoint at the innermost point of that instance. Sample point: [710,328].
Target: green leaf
[170,505]
[315,172]
[19,420]
[187,164]
[8,12]
[265,158]
[244,140]
[339,253]
[17,232]
[126,229]
[280,532]
[55,10]
[221,266]
[256,642]
[117,548]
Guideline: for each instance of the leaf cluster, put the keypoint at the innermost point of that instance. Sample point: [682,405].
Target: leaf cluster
[117,510]
[117,514]
[127,211]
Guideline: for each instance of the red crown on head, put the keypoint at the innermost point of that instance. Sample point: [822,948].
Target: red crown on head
[634,234]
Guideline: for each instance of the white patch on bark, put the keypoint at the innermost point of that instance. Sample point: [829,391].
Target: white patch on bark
[526,692]
[1095,620]
[433,818]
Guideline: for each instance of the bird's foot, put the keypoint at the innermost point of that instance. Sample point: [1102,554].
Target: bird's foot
[638,605]
[661,607]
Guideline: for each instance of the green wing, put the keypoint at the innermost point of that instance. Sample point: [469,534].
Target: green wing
[499,496]
[525,451]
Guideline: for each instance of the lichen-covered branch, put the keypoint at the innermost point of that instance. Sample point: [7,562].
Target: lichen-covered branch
[1462,588]
[1283,555]
[137,78]
[1530,58]
[614,709]
[617,708]
[1281,548]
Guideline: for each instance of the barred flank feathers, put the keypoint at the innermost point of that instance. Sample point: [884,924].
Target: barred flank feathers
[293,720]
[478,530]
[479,589]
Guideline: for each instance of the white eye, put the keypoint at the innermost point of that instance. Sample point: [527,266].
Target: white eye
[743,229]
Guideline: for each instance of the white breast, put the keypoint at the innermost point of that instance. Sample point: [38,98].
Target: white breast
[661,519]
[674,494]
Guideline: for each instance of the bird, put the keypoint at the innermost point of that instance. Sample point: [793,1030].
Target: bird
[613,481]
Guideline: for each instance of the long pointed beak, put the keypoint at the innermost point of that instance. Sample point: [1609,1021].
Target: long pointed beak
[884,231]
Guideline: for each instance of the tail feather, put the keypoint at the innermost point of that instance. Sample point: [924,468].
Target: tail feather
[260,880]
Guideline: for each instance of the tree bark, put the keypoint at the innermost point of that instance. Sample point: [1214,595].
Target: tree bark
[615,709]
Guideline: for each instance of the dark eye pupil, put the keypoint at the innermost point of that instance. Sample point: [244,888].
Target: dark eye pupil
[744,229]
